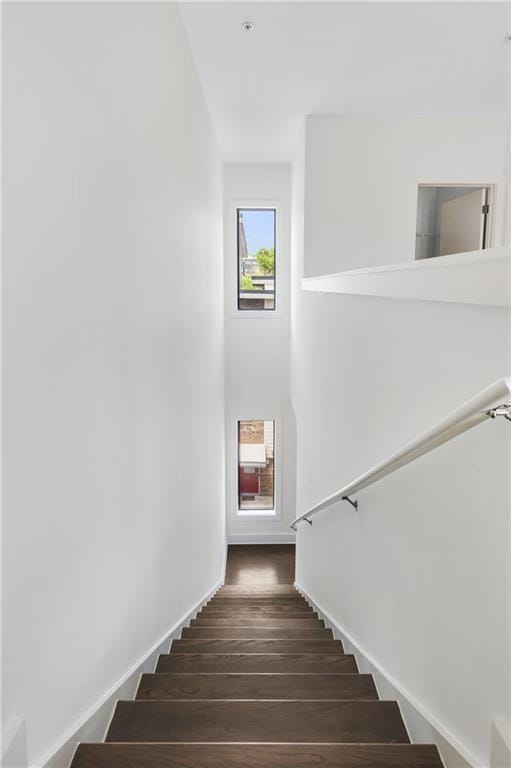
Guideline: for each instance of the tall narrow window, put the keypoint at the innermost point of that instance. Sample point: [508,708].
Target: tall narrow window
[256,466]
[256,258]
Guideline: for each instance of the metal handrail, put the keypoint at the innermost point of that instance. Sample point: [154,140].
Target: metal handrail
[492,402]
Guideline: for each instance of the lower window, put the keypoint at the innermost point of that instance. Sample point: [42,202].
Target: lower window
[256,466]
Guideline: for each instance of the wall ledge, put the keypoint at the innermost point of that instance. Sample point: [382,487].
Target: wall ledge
[478,277]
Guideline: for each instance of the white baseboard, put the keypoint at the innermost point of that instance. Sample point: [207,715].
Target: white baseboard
[224,567]
[423,727]
[261,538]
[94,722]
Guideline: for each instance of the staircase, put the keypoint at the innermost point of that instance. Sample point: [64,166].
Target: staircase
[256,681]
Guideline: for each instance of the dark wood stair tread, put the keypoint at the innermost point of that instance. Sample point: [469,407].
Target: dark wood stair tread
[266,721]
[243,621]
[255,633]
[256,662]
[300,608]
[125,755]
[263,616]
[269,590]
[190,645]
[257,686]
[262,600]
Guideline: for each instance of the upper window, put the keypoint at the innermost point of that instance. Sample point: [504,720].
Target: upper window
[453,219]
[256,258]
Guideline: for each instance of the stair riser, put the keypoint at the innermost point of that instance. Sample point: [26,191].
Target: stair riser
[260,721]
[266,686]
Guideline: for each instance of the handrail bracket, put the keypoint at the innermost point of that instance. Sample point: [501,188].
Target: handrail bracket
[353,502]
[501,410]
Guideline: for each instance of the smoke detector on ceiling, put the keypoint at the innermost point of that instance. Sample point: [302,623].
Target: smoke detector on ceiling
[247,26]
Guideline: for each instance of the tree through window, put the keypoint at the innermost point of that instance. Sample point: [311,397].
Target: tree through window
[256,258]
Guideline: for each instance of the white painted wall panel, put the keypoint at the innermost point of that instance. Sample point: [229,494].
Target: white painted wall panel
[362,178]
[420,576]
[113,344]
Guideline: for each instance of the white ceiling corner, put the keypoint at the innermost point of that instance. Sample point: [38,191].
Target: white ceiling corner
[413,58]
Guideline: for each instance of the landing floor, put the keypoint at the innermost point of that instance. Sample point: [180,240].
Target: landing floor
[258,564]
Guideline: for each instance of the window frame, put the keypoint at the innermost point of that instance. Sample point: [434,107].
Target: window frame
[232,260]
[277,255]
[271,514]
[255,510]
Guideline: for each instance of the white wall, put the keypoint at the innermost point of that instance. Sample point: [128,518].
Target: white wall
[113,343]
[419,577]
[362,178]
[257,354]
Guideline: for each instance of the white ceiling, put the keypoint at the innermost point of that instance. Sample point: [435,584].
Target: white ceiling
[304,58]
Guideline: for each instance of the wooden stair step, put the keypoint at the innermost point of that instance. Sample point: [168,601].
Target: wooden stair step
[260,602]
[269,590]
[248,622]
[256,609]
[254,598]
[253,721]
[248,614]
[191,645]
[254,633]
[256,662]
[259,686]
[125,755]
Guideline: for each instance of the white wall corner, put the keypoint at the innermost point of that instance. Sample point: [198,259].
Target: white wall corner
[500,744]
[14,742]
[93,724]
[423,727]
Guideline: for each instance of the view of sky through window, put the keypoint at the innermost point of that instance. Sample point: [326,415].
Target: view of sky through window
[259,229]
[256,258]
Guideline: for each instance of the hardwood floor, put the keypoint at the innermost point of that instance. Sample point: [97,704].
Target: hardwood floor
[257,681]
[260,564]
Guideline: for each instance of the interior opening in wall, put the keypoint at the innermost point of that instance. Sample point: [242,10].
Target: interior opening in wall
[256,466]
[453,219]
[256,255]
